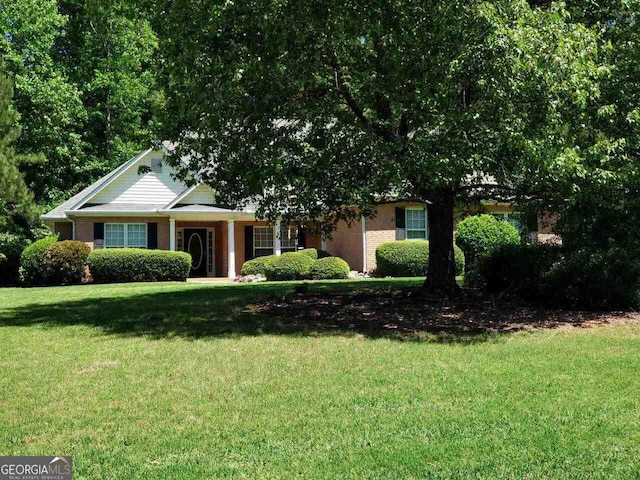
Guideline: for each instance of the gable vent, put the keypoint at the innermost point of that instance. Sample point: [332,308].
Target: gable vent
[156,165]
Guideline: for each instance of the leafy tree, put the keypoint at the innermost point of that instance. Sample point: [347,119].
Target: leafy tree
[308,107]
[17,211]
[48,102]
[107,50]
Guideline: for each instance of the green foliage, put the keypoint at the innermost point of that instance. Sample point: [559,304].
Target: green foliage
[32,261]
[112,265]
[257,266]
[11,247]
[409,258]
[343,100]
[311,252]
[585,278]
[65,263]
[17,210]
[480,235]
[329,268]
[289,266]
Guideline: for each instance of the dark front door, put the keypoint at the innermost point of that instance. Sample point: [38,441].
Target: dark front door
[195,243]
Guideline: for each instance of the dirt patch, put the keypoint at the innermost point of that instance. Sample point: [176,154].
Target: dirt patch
[406,313]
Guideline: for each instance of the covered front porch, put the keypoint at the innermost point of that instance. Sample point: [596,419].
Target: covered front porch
[219,244]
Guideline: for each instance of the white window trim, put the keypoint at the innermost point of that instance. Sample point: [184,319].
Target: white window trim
[126,235]
[406,223]
[254,240]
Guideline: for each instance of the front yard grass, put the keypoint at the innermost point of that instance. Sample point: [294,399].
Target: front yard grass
[187,381]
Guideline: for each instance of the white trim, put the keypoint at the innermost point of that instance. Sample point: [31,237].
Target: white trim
[231,247]
[363,221]
[406,223]
[180,196]
[323,243]
[172,234]
[115,174]
[114,213]
[277,240]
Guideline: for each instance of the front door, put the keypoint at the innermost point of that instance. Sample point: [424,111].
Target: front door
[195,243]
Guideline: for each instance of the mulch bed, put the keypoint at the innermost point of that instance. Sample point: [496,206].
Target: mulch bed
[406,313]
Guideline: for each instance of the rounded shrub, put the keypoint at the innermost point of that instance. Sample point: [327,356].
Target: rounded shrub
[11,247]
[311,252]
[409,258]
[257,266]
[32,269]
[289,266]
[138,265]
[65,263]
[329,268]
[480,235]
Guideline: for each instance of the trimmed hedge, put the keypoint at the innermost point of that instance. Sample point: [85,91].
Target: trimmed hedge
[138,265]
[481,235]
[289,266]
[32,269]
[587,278]
[311,252]
[409,258]
[65,263]
[11,247]
[329,268]
[257,266]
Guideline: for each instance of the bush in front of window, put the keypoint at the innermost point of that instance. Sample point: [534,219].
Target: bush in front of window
[257,266]
[138,265]
[289,266]
[32,269]
[409,258]
[329,268]
[65,263]
[480,235]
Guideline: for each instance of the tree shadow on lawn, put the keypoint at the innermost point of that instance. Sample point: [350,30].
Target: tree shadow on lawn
[272,309]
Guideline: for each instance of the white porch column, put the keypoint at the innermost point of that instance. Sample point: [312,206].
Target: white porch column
[277,241]
[172,234]
[363,221]
[323,245]
[231,248]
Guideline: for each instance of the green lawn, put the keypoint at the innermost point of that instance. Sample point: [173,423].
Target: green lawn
[182,381]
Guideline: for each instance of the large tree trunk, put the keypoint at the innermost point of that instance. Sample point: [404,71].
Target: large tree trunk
[441,271]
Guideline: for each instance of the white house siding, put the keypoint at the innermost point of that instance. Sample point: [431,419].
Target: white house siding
[201,195]
[132,188]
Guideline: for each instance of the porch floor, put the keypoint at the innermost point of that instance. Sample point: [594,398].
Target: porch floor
[209,280]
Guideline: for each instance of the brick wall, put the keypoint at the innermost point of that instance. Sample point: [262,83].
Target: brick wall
[346,243]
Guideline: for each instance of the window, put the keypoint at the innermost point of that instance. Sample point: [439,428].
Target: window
[288,238]
[125,235]
[415,223]
[514,218]
[179,246]
[262,241]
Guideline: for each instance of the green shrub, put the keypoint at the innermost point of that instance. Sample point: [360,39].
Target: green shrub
[481,235]
[257,266]
[65,263]
[32,269]
[329,268]
[311,252]
[11,247]
[289,266]
[409,258]
[586,278]
[138,265]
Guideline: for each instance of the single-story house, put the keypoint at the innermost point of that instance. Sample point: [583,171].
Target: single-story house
[150,208]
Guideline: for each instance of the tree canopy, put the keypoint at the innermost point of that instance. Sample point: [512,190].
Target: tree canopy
[310,108]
